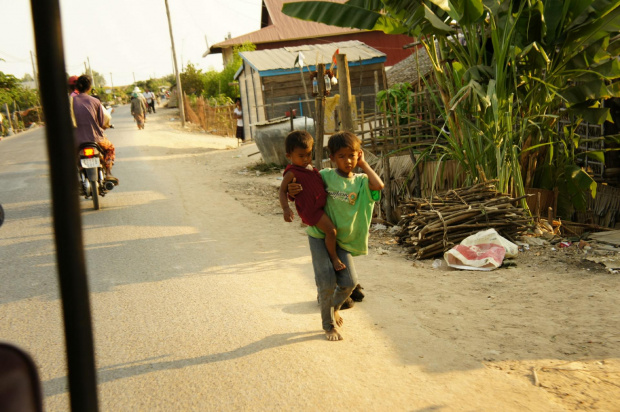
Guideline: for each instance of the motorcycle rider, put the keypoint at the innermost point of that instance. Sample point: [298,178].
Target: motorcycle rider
[91,121]
[71,82]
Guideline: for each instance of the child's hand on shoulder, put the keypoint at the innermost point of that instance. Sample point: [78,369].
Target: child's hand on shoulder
[294,188]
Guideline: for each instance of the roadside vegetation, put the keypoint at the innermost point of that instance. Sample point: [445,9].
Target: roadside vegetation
[16,98]
[218,88]
[504,73]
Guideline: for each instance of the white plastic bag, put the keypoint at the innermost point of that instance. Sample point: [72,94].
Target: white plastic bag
[482,251]
[491,236]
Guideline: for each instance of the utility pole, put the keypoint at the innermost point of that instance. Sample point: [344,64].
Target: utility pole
[134,77]
[111,81]
[36,86]
[90,69]
[34,72]
[174,58]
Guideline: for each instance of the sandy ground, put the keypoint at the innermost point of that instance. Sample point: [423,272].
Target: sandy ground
[550,324]
[217,311]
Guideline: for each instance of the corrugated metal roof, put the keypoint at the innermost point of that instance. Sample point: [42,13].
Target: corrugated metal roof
[279,61]
[283,28]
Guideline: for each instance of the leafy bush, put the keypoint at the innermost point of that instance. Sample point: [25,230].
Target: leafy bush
[12,91]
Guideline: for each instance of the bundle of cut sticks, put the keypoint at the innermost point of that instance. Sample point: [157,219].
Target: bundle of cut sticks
[433,226]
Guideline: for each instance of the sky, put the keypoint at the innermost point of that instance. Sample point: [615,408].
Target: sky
[124,39]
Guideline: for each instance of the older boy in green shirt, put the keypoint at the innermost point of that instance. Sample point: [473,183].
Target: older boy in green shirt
[350,202]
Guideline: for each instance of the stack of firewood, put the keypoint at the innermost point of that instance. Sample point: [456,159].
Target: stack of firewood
[433,226]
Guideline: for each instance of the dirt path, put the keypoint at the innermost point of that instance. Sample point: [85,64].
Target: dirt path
[476,335]
[207,301]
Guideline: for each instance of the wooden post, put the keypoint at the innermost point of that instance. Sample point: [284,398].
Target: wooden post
[417,185]
[303,82]
[319,118]
[387,172]
[344,87]
[362,120]
[8,116]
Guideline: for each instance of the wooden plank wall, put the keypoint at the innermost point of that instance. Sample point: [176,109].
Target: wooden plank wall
[251,99]
[281,91]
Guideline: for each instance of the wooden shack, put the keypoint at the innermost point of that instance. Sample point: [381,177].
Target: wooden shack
[271,83]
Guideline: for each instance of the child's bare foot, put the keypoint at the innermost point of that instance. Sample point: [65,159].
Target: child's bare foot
[338,319]
[333,334]
[338,265]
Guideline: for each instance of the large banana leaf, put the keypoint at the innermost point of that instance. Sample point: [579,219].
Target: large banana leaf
[342,15]
[394,16]
[593,90]
[466,12]
[502,81]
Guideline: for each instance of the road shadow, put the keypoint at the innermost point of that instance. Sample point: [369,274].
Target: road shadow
[115,372]
[302,308]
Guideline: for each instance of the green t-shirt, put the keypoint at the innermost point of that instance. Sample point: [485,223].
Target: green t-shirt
[349,205]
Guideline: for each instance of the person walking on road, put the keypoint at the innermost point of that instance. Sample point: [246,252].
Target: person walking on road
[310,202]
[350,201]
[150,100]
[238,114]
[138,110]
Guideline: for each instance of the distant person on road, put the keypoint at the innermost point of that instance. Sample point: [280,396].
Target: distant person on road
[90,120]
[138,110]
[137,91]
[238,114]
[150,100]
[311,201]
[350,201]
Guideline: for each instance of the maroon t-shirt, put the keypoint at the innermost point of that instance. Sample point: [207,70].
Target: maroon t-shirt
[311,200]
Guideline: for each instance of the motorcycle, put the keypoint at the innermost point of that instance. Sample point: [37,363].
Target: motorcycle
[92,174]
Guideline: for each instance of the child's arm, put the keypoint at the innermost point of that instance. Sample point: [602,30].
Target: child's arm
[288,213]
[374,181]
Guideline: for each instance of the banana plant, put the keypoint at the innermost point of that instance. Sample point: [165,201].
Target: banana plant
[503,70]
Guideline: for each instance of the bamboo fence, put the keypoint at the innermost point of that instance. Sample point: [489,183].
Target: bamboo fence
[217,120]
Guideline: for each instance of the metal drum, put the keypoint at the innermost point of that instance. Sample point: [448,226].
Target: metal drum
[270,137]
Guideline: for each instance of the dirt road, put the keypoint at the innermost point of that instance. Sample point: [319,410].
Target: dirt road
[206,301]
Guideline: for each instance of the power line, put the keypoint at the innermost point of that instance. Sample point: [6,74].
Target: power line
[15,59]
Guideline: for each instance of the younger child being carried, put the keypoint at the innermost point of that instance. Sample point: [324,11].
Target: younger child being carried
[311,201]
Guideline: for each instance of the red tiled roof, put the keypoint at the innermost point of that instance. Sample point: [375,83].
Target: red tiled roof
[283,27]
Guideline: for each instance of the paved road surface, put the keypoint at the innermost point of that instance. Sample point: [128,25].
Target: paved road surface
[197,305]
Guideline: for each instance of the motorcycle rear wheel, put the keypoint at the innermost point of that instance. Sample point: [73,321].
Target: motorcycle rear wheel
[94,187]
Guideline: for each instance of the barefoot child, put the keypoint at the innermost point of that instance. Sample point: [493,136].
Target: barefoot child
[310,203]
[351,198]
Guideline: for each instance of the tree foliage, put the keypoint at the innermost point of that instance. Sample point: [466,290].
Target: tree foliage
[12,93]
[504,69]
[98,78]
[193,80]
[214,85]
